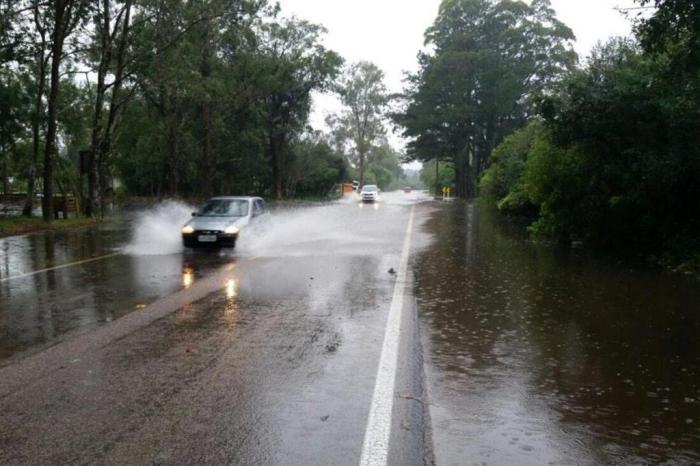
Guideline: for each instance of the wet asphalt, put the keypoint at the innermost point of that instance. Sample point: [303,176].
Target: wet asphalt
[118,347]
[263,355]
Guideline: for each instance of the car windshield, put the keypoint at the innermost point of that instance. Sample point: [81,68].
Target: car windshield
[224,208]
[369,188]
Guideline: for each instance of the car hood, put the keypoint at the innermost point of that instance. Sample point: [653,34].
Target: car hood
[216,223]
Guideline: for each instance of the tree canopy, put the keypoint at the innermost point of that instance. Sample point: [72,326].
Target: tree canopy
[162,98]
[488,64]
[614,160]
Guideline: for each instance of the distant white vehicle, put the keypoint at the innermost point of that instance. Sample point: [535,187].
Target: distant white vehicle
[370,193]
[220,220]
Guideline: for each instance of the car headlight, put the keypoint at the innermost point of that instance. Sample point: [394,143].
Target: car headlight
[187,229]
[232,230]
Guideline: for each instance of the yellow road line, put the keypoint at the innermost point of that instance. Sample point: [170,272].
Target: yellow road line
[62,266]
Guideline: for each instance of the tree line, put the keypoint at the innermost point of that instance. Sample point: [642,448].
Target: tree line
[606,152]
[487,64]
[179,98]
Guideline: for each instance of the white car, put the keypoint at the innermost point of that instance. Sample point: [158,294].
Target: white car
[369,193]
[220,220]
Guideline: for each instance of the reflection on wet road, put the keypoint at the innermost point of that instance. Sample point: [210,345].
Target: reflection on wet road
[54,283]
[268,354]
[264,355]
[535,356]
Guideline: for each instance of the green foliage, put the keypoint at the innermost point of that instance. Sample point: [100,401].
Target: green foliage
[555,180]
[383,168]
[639,140]
[445,176]
[14,109]
[361,123]
[502,182]
[490,62]
[222,108]
[315,167]
[673,30]
[180,97]
[617,163]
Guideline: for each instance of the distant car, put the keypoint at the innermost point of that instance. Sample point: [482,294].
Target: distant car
[369,193]
[220,220]
[407,189]
[355,185]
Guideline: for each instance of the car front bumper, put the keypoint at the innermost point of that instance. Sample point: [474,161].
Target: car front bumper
[202,238]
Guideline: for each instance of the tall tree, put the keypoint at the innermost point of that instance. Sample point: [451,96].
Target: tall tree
[364,95]
[13,118]
[294,63]
[111,23]
[66,15]
[490,61]
[15,27]
[40,64]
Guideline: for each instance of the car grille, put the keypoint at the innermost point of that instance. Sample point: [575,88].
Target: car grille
[207,232]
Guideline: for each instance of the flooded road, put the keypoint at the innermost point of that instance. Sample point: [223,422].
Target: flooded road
[119,347]
[535,356]
[267,354]
[56,283]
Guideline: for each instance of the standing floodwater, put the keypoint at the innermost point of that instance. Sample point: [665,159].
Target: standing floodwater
[535,356]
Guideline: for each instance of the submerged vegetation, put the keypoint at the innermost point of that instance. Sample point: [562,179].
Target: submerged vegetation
[606,153]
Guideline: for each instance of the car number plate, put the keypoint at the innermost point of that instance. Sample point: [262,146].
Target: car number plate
[207,238]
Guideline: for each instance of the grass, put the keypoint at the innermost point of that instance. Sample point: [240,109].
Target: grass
[11,226]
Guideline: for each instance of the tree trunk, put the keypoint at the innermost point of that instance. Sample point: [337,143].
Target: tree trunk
[171,160]
[5,179]
[31,187]
[469,182]
[362,169]
[60,24]
[115,107]
[469,174]
[461,189]
[437,177]
[94,182]
[207,153]
[206,114]
[93,202]
[31,178]
[36,119]
[276,146]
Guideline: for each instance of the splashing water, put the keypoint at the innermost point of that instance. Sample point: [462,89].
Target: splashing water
[334,228]
[331,229]
[156,231]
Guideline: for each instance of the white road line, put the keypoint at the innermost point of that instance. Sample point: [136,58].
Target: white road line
[63,266]
[375,449]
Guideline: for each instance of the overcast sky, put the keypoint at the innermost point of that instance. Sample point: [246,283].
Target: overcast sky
[390,32]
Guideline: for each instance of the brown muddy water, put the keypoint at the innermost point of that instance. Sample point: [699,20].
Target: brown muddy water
[539,356]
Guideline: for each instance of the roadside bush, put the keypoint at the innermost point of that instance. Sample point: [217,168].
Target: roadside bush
[616,162]
[503,181]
